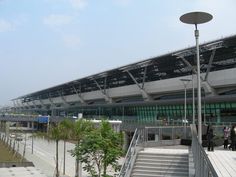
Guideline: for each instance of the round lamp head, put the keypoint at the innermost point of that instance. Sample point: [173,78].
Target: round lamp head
[196,18]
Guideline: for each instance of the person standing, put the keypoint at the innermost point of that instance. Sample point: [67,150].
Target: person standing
[210,143]
[233,138]
[226,137]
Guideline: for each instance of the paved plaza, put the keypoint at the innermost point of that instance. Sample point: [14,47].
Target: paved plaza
[21,172]
[43,156]
[224,161]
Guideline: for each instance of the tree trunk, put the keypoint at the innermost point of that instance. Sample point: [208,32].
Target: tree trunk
[78,169]
[105,169]
[64,163]
[14,144]
[78,172]
[105,164]
[24,150]
[57,170]
[32,144]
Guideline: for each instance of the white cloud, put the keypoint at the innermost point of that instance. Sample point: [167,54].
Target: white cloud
[71,41]
[78,4]
[6,26]
[57,20]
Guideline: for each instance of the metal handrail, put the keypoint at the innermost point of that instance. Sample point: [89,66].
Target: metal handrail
[130,156]
[203,166]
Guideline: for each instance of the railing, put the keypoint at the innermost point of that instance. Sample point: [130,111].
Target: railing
[203,166]
[148,136]
[130,156]
[159,133]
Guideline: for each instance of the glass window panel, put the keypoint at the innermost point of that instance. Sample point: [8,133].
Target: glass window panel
[233,105]
[222,105]
[217,105]
[227,105]
[212,106]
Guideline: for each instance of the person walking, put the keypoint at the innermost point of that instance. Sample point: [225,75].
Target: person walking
[210,143]
[233,138]
[226,131]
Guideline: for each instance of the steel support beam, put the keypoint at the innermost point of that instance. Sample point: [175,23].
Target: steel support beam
[63,98]
[41,102]
[33,101]
[19,103]
[50,100]
[209,64]
[14,103]
[206,86]
[145,95]
[103,91]
[144,77]
[79,95]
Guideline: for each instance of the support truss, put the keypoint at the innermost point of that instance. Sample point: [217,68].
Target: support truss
[63,98]
[209,64]
[206,86]
[103,91]
[79,95]
[145,95]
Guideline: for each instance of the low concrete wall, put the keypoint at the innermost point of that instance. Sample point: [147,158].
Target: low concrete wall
[16,164]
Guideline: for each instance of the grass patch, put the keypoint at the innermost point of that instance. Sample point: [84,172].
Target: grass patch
[6,155]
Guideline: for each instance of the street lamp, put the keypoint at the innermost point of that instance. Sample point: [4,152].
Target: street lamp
[193,87]
[185,82]
[196,18]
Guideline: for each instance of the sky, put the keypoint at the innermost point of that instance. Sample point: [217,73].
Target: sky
[44,43]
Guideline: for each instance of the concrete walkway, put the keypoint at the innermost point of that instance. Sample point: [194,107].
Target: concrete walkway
[21,172]
[43,157]
[224,161]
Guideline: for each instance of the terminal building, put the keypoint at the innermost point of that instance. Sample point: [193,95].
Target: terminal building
[149,90]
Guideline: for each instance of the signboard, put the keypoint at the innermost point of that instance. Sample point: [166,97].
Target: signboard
[43,119]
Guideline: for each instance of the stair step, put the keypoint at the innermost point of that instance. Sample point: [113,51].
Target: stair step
[161,160]
[148,164]
[158,169]
[161,164]
[162,156]
[161,173]
[148,175]
[166,154]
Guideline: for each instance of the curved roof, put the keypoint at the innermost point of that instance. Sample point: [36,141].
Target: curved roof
[222,52]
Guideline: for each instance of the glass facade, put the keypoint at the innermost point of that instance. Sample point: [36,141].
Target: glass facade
[213,112]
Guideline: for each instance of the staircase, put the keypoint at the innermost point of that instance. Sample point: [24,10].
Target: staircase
[161,164]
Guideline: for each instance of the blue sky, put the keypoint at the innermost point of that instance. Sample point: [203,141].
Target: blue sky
[48,42]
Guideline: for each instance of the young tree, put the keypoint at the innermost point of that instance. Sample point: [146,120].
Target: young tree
[60,131]
[111,146]
[102,147]
[80,129]
[55,134]
[66,127]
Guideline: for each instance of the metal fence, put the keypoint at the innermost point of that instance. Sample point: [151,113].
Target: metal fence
[203,166]
[130,156]
[166,133]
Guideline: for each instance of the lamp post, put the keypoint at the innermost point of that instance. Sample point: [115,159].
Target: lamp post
[185,82]
[193,122]
[196,18]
